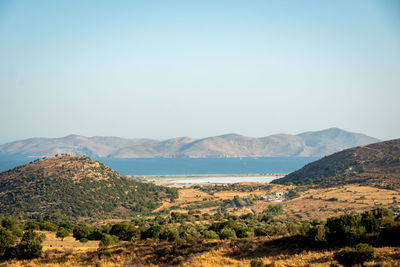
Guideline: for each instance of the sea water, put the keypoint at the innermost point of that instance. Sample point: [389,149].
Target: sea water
[185,166]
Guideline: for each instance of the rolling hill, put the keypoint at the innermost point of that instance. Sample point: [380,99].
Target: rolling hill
[318,143]
[75,186]
[377,164]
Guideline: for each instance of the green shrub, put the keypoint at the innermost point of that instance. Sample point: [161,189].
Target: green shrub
[7,240]
[357,255]
[108,240]
[49,226]
[293,194]
[260,231]
[30,245]
[152,232]
[124,231]
[82,231]
[274,209]
[62,233]
[83,240]
[241,231]
[169,234]
[190,234]
[317,233]
[346,228]
[256,263]
[209,234]
[8,223]
[227,233]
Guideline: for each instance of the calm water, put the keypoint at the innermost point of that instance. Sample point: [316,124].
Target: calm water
[182,166]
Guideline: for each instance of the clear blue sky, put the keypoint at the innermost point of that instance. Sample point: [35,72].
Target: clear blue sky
[162,69]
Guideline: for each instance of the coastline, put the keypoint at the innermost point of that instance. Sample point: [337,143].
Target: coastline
[207,179]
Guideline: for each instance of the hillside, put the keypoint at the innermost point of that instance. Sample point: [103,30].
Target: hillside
[316,144]
[75,186]
[377,163]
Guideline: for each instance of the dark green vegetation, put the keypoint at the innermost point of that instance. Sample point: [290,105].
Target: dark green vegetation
[180,234]
[375,164]
[239,187]
[355,255]
[75,187]
[29,244]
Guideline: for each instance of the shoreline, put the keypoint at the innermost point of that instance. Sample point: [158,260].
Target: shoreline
[202,179]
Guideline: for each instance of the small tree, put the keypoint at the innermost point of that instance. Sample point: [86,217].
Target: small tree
[62,233]
[6,240]
[108,240]
[227,233]
[30,245]
[152,232]
[274,209]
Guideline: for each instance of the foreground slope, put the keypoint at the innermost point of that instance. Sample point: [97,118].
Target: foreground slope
[75,186]
[318,143]
[377,163]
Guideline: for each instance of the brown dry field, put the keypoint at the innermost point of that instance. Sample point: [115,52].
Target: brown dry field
[312,203]
[386,256]
[225,253]
[52,242]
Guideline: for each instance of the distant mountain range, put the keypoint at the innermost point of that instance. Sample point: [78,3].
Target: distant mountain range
[377,164]
[318,143]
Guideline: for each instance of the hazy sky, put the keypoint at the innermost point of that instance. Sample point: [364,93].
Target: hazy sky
[162,69]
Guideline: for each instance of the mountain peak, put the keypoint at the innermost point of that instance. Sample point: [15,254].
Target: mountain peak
[230,135]
[318,143]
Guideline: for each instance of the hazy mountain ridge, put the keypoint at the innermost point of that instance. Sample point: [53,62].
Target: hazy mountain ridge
[318,143]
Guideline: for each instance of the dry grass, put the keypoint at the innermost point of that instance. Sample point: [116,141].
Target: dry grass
[313,203]
[321,203]
[239,255]
[52,242]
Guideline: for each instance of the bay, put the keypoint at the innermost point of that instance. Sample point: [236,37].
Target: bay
[185,166]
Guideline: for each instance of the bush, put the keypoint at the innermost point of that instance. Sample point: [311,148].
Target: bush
[124,231]
[8,223]
[169,233]
[83,240]
[209,234]
[241,231]
[49,226]
[357,255]
[293,194]
[30,245]
[346,228]
[274,209]
[32,225]
[152,232]
[7,240]
[108,240]
[260,231]
[190,234]
[317,233]
[256,263]
[82,231]
[227,233]
[238,201]
[62,233]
